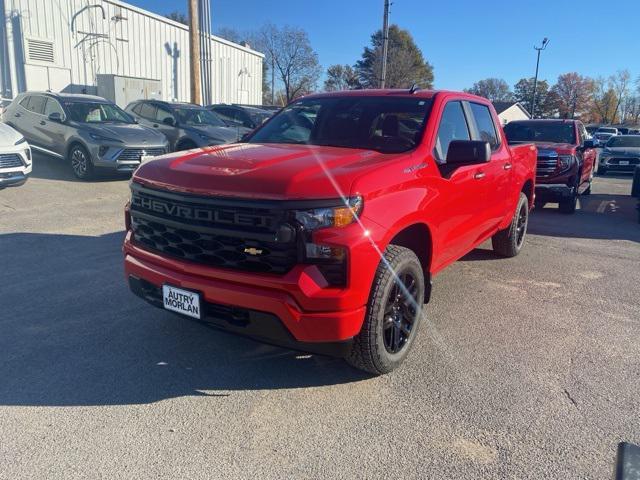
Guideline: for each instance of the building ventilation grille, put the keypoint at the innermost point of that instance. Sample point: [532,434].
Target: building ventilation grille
[40,51]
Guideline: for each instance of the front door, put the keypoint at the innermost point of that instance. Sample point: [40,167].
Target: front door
[463,190]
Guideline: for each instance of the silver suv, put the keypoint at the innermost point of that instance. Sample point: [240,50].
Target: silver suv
[185,125]
[90,132]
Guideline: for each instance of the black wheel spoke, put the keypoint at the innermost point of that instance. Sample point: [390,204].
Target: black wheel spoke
[400,312]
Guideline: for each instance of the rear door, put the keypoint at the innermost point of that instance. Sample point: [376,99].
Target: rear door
[32,121]
[498,177]
[170,131]
[19,118]
[53,133]
[464,189]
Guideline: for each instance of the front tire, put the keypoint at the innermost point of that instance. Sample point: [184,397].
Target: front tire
[393,313]
[509,242]
[81,163]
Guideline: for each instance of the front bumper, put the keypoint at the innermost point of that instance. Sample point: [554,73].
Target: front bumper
[17,175]
[613,163]
[551,192]
[300,301]
[114,158]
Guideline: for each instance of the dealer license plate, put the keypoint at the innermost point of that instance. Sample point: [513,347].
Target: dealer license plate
[146,158]
[624,162]
[181,301]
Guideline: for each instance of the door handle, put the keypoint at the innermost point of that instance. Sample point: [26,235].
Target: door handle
[17,115]
[507,166]
[42,122]
[479,175]
[155,125]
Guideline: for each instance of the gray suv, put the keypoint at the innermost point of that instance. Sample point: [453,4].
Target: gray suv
[185,125]
[88,131]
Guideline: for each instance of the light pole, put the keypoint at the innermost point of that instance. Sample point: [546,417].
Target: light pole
[385,44]
[545,42]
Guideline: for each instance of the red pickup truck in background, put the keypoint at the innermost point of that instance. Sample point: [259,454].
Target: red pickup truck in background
[566,159]
[322,231]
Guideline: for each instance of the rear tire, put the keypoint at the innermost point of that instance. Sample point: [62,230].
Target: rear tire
[635,186]
[393,313]
[81,163]
[569,205]
[509,242]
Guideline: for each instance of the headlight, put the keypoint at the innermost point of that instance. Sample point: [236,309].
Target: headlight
[332,216]
[565,161]
[22,140]
[100,138]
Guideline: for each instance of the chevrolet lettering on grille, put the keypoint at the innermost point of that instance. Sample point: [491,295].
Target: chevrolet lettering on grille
[187,212]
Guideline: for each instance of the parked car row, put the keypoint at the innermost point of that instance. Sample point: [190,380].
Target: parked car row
[93,133]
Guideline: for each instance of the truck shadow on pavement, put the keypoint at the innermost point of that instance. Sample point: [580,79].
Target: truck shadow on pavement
[602,217]
[73,334]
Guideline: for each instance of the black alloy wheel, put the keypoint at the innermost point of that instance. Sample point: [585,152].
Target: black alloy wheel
[400,312]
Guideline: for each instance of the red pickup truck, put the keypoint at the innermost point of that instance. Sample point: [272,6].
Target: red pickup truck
[322,231]
[566,159]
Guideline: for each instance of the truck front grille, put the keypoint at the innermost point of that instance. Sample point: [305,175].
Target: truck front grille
[10,160]
[217,232]
[547,163]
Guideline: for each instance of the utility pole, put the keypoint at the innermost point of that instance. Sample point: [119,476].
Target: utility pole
[545,42]
[273,81]
[194,47]
[385,44]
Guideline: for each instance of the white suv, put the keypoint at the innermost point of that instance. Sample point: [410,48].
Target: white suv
[15,157]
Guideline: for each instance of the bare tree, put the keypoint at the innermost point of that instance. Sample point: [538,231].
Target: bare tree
[294,61]
[341,77]
[179,17]
[620,83]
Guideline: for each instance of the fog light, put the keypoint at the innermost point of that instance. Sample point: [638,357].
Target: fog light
[324,252]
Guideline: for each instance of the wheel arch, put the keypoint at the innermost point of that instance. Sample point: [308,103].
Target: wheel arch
[527,189]
[417,237]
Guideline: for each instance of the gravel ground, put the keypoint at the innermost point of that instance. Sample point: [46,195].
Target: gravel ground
[526,368]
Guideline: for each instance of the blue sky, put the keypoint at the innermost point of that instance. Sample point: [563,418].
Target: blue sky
[462,40]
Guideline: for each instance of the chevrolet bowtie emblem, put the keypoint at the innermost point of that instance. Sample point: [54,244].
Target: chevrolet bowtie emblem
[253,251]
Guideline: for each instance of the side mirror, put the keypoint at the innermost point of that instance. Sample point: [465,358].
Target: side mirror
[169,121]
[589,144]
[55,117]
[468,152]
[244,137]
[248,124]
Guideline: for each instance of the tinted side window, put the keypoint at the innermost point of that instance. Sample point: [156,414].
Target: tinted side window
[453,126]
[24,103]
[484,122]
[162,114]
[148,111]
[36,105]
[53,107]
[228,114]
[136,109]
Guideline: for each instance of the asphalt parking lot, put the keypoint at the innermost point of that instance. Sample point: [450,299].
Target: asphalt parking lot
[526,368]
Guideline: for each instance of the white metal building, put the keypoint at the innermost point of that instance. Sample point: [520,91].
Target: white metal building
[63,45]
[509,111]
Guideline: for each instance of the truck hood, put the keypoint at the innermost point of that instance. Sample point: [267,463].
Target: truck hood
[558,147]
[623,150]
[261,171]
[226,134]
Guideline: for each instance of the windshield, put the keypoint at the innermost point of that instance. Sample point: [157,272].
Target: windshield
[553,132]
[626,141]
[385,124]
[259,117]
[95,112]
[607,130]
[198,116]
